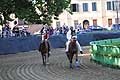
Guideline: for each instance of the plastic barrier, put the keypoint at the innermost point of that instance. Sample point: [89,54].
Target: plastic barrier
[23,44]
[106,51]
[19,44]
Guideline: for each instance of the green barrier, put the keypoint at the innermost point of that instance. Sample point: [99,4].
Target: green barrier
[106,51]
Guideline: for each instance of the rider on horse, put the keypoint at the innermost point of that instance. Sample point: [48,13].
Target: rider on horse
[70,34]
[45,36]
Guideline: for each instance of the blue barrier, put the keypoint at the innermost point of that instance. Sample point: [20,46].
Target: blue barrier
[19,44]
[23,44]
[58,41]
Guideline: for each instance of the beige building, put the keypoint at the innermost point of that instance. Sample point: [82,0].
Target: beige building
[97,12]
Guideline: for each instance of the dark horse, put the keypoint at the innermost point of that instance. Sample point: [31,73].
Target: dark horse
[73,50]
[44,48]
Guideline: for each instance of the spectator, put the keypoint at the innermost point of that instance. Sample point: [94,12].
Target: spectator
[0,30]
[6,30]
[16,31]
[109,27]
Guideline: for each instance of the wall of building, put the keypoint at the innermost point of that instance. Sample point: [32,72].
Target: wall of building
[101,15]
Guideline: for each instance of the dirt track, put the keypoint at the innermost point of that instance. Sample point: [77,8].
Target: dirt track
[28,66]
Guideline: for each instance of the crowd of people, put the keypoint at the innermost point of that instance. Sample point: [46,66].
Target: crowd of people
[79,29]
[6,31]
[59,30]
[63,30]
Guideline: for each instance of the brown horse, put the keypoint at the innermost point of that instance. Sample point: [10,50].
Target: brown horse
[44,48]
[73,50]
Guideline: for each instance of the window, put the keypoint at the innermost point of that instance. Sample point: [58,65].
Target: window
[85,7]
[117,20]
[113,5]
[119,5]
[75,23]
[75,7]
[109,22]
[94,8]
[94,22]
[109,7]
[58,24]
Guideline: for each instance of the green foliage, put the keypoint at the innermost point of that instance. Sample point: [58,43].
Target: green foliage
[25,9]
[6,8]
[52,8]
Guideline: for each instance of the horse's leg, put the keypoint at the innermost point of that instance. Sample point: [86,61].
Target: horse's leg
[68,56]
[70,59]
[43,59]
[76,56]
[47,58]
[77,62]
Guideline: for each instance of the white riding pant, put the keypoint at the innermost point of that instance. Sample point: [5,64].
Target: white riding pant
[67,46]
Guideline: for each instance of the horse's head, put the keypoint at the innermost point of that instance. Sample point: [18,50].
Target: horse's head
[74,39]
[44,46]
[73,46]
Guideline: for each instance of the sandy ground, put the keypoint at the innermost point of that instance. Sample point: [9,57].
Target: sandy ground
[28,66]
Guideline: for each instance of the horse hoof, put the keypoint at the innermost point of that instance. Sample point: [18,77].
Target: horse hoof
[44,64]
[71,66]
[49,55]
[47,63]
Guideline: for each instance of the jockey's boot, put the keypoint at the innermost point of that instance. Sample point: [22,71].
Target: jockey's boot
[76,60]
[77,64]
[49,54]
[66,52]
[81,52]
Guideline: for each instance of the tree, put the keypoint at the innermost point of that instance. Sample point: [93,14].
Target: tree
[6,8]
[23,9]
[51,8]
[26,10]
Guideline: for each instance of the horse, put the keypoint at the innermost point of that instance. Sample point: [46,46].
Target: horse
[44,48]
[72,50]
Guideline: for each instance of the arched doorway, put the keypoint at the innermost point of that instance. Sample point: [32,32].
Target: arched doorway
[85,24]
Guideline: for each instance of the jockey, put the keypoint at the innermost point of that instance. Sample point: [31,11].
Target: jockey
[71,34]
[45,35]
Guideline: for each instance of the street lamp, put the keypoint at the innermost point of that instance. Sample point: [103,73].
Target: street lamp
[117,3]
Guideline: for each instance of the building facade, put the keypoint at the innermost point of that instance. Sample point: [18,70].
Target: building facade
[97,12]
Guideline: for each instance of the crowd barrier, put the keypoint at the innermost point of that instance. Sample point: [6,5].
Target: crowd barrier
[19,44]
[106,52]
[23,44]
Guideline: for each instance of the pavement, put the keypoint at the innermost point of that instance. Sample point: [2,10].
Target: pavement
[28,66]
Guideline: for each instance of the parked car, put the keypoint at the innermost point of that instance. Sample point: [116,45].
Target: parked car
[96,28]
[116,27]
